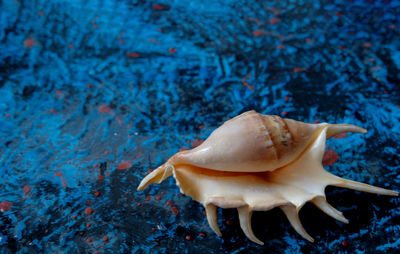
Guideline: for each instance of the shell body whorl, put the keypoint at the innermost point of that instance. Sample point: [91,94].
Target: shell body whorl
[251,142]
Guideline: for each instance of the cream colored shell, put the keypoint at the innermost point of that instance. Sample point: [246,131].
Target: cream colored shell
[256,162]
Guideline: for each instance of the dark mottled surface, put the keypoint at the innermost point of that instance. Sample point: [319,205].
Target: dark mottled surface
[87,87]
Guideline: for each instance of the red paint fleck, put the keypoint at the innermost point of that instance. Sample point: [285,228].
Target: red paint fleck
[106,152]
[139,204]
[197,142]
[26,189]
[340,136]
[179,195]
[133,54]
[23,199]
[246,84]
[105,238]
[8,115]
[41,13]
[139,155]
[96,252]
[152,40]
[101,178]
[104,109]
[169,202]
[58,174]
[64,184]
[317,121]
[367,45]
[71,45]
[158,7]
[175,210]
[188,237]
[89,85]
[309,40]
[172,50]
[153,228]
[202,235]
[124,165]
[274,21]
[5,206]
[88,225]
[88,210]
[158,197]
[201,127]
[29,43]
[52,110]
[284,113]
[341,47]
[59,93]
[89,240]
[344,243]
[299,69]
[257,33]
[287,98]
[338,13]
[182,149]
[229,222]
[97,193]
[95,26]
[95,165]
[149,171]
[281,46]
[392,26]
[162,193]
[147,198]
[330,157]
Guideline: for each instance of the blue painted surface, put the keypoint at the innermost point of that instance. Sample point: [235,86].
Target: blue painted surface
[88,85]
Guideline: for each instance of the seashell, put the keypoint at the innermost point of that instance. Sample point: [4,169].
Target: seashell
[257,162]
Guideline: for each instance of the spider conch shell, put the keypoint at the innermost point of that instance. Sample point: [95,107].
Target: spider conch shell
[257,162]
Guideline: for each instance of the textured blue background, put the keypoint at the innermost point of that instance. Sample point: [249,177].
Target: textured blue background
[87,87]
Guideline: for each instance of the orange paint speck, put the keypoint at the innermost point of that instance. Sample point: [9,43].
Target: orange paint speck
[97,193]
[202,235]
[124,165]
[101,178]
[147,198]
[188,237]
[41,13]
[58,174]
[281,46]
[344,243]
[105,238]
[172,50]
